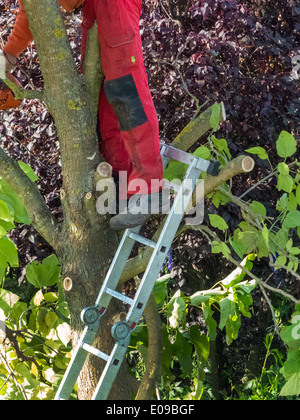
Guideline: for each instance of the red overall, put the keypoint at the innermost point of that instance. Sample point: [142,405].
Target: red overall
[128,120]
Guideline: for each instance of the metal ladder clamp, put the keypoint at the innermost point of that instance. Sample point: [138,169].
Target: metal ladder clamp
[121,331]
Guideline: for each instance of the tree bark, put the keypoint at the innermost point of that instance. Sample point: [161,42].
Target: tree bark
[86,244]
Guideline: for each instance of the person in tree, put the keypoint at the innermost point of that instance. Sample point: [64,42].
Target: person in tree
[129,132]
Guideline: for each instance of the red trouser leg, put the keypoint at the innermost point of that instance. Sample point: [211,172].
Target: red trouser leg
[127,91]
[111,143]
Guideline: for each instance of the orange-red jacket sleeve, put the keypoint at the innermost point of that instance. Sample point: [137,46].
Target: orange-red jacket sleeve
[21,37]
[88,19]
[69,5]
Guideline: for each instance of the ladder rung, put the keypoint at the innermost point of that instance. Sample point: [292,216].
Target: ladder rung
[142,240]
[179,155]
[95,351]
[119,296]
[171,185]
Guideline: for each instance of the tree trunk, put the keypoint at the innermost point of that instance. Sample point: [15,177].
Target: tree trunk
[85,246]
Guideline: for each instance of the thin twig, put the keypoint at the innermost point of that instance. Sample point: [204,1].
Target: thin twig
[215,237]
[10,371]
[262,288]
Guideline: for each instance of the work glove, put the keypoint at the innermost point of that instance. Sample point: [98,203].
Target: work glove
[7,99]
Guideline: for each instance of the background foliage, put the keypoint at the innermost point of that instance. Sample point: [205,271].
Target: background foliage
[227,335]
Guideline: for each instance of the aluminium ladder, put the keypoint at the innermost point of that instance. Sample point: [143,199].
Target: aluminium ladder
[121,331]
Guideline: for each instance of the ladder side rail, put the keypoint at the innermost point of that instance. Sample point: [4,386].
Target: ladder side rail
[165,159]
[75,366]
[158,256]
[116,268]
[111,370]
[171,152]
[163,245]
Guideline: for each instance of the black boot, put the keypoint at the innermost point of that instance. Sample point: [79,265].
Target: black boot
[139,210]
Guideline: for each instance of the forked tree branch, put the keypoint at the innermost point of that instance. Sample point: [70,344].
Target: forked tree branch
[28,192]
[20,93]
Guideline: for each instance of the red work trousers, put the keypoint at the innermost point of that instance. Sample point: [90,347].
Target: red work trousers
[128,120]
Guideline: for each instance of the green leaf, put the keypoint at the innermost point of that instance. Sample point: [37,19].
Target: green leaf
[246,286]
[222,146]
[61,362]
[40,321]
[178,312]
[16,312]
[292,219]
[175,170]
[202,152]
[286,145]
[281,238]
[285,182]
[210,322]
[280,261]
[282,203]
[217,221]
[245,242]
[8,195]
[44,274]
[160,291]
[298,194]
[243,302]
[197,298]
[51,320]
[291,373]
[50,297]
[259,209]
[232,328]
[294,250]
[5,227]
[6,213]
[217,247]
[201,343]
[215,117]
[8,253]
[23,370]
[290,334]
[237,275]
[292,387]
[183,350]
[292,202]
[28,171]
[4,306]
[259,151]
[227,308]
[263,242]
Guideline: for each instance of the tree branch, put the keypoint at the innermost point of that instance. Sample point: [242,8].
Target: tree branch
[197,128]
[215,237]
[155,348]
[92,67]
[20,93]
[66,97]
[241,164]
[31,197]
[238,165]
